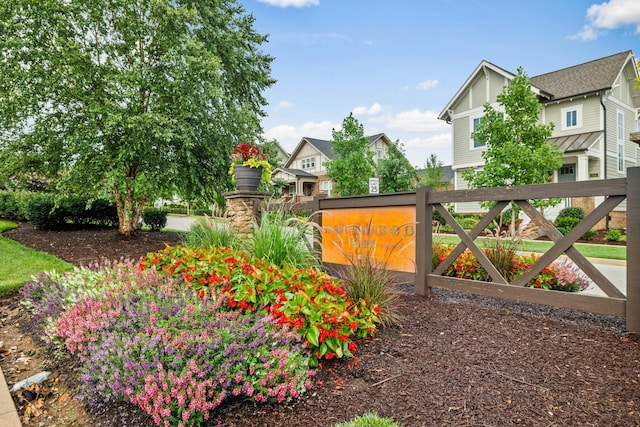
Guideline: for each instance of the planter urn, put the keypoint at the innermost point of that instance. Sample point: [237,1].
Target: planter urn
[247,178]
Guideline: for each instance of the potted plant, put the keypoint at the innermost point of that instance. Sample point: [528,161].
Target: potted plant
[249,166]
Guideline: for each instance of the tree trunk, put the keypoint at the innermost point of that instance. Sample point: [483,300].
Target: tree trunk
[129,209]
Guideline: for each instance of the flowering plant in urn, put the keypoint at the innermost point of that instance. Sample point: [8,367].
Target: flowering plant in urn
[252,156]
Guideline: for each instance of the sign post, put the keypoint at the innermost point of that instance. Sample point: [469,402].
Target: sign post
[374,185]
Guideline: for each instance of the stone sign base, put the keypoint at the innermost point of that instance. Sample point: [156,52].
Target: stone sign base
[244,208]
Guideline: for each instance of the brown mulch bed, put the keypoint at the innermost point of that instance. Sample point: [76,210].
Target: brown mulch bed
[453,361]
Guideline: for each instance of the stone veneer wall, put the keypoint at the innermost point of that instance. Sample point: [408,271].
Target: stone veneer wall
[244,208]
[618,219]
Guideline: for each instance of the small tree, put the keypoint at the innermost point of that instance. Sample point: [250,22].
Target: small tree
[517,152]
[395,172]
[433,173]
[351,170]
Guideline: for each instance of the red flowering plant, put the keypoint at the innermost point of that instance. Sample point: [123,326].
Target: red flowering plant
[313,303]
[466,266]
[245,154]
[559,276]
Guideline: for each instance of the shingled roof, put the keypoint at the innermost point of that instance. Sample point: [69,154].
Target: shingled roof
[582,79]
[325,146]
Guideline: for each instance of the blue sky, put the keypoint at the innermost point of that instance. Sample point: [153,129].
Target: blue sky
[396,64]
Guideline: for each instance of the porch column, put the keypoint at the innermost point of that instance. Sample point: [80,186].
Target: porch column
[583,168]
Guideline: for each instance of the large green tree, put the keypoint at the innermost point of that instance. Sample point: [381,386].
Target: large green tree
[517,152]
[351,169]
[395,172]
[128,97]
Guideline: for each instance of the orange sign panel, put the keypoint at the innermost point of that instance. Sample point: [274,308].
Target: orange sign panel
[387,234]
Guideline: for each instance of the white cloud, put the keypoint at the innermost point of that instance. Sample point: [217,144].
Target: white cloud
[375,108]
[439,140]
[609,16]
[413,121]
[615,13]
[283,105]
[289,136]
[427,84]
[294,3]
[587,33]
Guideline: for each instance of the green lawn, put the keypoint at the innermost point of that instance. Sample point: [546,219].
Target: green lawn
[590,251]
[19,263]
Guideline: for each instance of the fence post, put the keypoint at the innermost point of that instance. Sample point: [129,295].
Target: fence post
[317,219]
[633,250]
[424,238]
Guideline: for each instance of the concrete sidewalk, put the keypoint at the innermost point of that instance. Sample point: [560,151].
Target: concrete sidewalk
[8,413]
[181,223]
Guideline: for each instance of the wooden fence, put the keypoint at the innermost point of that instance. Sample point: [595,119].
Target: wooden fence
[613,191]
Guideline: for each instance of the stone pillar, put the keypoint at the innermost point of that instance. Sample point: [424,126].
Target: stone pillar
[244,209]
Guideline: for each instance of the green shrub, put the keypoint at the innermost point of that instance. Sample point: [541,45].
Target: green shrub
[566,224]
[571,212]
[369,420]
[82,212]
[74,210]
[467,223]
[613,235]
[589,234]
[437,216]
[10,205]
[155,218]
[104,213]
[40,211]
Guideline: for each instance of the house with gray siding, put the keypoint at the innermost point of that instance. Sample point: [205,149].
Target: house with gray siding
[593,106]
[305,173]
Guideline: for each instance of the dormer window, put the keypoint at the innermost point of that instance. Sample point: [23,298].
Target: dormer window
[571,117]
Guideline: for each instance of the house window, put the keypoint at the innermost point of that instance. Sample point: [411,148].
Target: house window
[571,117]
[325,187]
[379,153]
[292,189]
[308,163]
[476,143]
[620,141]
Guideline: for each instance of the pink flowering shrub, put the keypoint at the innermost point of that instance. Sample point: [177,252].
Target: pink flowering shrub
[150,340]
[559,276]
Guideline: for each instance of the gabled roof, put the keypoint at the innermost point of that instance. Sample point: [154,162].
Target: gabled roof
[323,146]
[583,79]
[481,68]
